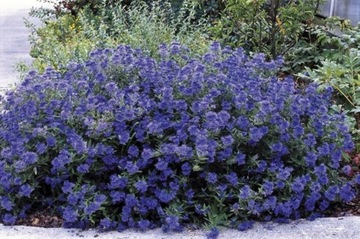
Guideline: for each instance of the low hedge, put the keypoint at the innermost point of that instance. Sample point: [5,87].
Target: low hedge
[127,141]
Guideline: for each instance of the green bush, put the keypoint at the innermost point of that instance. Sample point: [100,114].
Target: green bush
[269,26]
[337,64]
[69,38]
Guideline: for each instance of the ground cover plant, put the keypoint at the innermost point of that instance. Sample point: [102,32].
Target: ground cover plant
[125,140]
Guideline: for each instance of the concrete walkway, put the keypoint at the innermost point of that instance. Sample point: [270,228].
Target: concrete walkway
[14,47]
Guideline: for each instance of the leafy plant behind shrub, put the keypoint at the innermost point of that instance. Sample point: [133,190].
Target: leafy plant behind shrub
[125,140]
[269,26]
[71,38]
[338,66]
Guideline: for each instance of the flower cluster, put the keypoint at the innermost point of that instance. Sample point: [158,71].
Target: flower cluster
[126,141]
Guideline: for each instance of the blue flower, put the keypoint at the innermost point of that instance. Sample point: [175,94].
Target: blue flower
[227,140]
[165,196]
[67,187]
[172,223]
[232,178]
[162,164]
[106,224]
[60,161]
[245,192]
[284,173]
[50,141]
[347,169]
[310,159]
[268,187]
[211,178]
[357,178]
[144,224]
[25,190]
[83,168]
[256,133]
[279,148]
[29,157]
[261,166]
[347,193]
[69,214]
[117,182]
[243,226]
[240,158]
[186,168]
[141,186]
[117,196]
[213,234]
[6,203]
[323,149]
[298,185]
[331,193]
[9,219]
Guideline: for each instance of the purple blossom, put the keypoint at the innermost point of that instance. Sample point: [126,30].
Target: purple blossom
[61,160]
[25,190]
[141,186]
[117,182]
[245,192]
[243,226]
[117,196]
[9,219]
[106,224]
[213,234]
[83,168]
[29,157]
[227,140]
[172,223]
[144,224]
[211,178]
[347,169]
[6,203]
[186,168]
[240,158]
[284,173]
[298,185]
[310,159]
[232,178]
[69,214]
[268,187]
[347,193]
[256,133]
[67,187]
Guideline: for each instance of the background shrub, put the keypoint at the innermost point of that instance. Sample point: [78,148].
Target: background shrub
[72,37]
[335,62]
[269,26]
[126,140]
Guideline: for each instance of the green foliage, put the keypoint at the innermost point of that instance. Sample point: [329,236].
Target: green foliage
[344,77]
[327,39]
[71,38]
[269,26]
[338,65]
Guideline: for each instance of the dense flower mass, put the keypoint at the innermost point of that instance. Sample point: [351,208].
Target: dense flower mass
[124,140]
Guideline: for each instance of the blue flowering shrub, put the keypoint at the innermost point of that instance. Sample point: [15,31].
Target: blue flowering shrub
[124,140]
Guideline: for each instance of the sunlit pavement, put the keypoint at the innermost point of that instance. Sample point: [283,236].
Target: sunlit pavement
[14,44]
